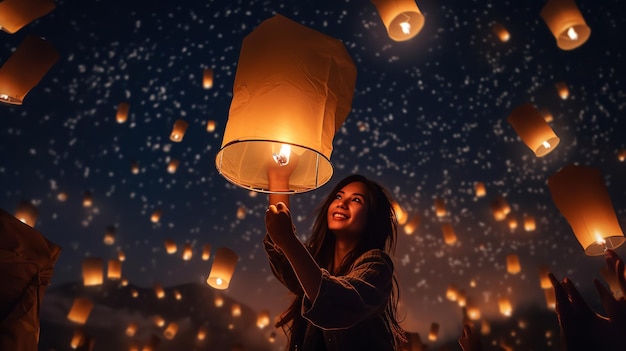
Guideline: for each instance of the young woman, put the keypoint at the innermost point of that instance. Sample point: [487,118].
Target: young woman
[346,292]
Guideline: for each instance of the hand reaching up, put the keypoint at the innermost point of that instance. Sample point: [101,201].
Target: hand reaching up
[278,224]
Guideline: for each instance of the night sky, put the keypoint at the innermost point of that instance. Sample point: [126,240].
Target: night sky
[428,120]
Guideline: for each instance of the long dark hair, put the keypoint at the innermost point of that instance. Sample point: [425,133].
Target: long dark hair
[380,233]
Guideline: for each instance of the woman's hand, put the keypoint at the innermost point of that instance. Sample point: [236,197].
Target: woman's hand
[278,224]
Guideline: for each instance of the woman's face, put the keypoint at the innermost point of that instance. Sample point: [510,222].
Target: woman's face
[347,213]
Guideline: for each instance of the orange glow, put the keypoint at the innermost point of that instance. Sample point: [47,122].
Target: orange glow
[402,18]
[566,23]
[122,112]
[532,128]
[178,130]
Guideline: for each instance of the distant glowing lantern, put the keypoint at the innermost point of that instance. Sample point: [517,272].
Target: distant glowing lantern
[566,23]
[452,293]
[178,130]
[122,112]
[207,78]
[449,236]
[77,339]
[550,296]
[114,270]
[412,225]
[440,207]
[206,252]
[461,298]
[158,320]
[505,307]
[480,189]
[272,337]
[210,126]
[15,14]
[109,235]
[401,215]
[62,196]
[512,264]
[121,255]
[134,167]
[485,328]
[171,330]
[172,166]
[26,212]
[473,312]
[80,310]
[92,271]
[292,91]
[218,301]
[263,319]
[402,18]
[124,282]
[134,293]
[562,89]
[170,246]
[87,199]
[222,268]
[499,208]
[500,31]
[134,346]
[131,329]
[621,155]
[25,68]
[158,291]
[177,295]
[156,216]
[582,198]
[512,221]
[187,252]
[544,281]
[529,223]
[533,129]
[235,310]
[546,114]
[202,331]
[434,332]
[241,212]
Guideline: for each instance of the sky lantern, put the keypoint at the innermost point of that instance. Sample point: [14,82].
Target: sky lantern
[452,293]
[562,90]
[158,291]
[292,91]
[109,235]
[92,271]
[202,331]
[62,196]
[158,320]
[206,252]
[122,112]
[218,301]
[156,216]
[412,225]
[440,207]
[114,270]
[461,298]
[621,155]
[77,339]
[263,319]
[222,268]
[25,68]
[235,310]
[131,329]
[134,293]
[124,282]
[582,198]
[485,327]
[500,31]
[473,312]
[529,223]
[402,18]
[87,199]
[172,166]
[26,212]
[544,281]
[15,14]
[499,208]
[505,307]
[178,130]
[177,295]
[121,255]
[480,189]
[532,128]
[512,221]
[512,264]
[241,212]
[134,167]
[566,23]
[550,298]
[210,126]
[546,114]
[449,236]
[207,78]
[80,310]
[434,331]
[187,252]
[170,331]
[170,246]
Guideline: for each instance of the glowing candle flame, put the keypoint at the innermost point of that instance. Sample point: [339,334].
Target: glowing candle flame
[599,239]
[218,281]
[546,144]
[406,27]
[571,33]
[282,157]
[4,96]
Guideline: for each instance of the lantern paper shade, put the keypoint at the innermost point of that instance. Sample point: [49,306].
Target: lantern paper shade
[544,281]
[533,129]
[499,208]
[501,32]
[131,329]
[178,130]
[206,252]
[562,89]
[512,264]
[109,235]
[170,246]
[293,88]
[27,213]
[263,319]
[412,225]
[566,23]
[222,268]
[207,78]
[529,223]
[582,198]
[77,339]
[480,189]
[114,270]
[187,252]
[210,126]
[15,14]
[449,236]
[434,332]
[87,199]
[92,271]
[440,207]
[171,330]
[402,18]
[172,166]
[25,68]
[122,112]
[452,293]
[621,155]
[80,310]
[159,291]
[156,216]
[202,331]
